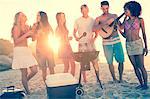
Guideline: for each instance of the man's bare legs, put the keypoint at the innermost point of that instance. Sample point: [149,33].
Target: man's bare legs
[96,67]
[112,71]
[72,62]
[120,69]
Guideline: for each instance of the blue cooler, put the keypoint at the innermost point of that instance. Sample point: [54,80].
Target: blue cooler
[61,86]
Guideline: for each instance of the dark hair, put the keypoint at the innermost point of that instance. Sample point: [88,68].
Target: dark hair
[84,5]
[134,8]
[44,20]
[104,3]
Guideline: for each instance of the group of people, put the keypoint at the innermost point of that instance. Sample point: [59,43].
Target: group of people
[41,29]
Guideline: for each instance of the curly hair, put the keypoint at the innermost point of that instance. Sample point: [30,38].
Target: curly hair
[134,8]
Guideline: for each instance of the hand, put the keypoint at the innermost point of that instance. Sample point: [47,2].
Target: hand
[120,31]
[97,31]
[145,51]
[125,16]
[97,20]
[29,34]
[33,37]
[110,21]
[77,39]
[70,38]
[92,40]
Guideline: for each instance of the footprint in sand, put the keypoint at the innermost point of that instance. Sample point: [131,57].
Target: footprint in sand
[133,95]
[146,95]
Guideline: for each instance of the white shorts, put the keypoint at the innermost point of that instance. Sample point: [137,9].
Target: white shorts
[23,58]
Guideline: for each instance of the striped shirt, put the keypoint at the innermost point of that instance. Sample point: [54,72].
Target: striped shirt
[112,40]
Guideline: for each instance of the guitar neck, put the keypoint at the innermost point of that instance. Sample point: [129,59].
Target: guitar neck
[116,20]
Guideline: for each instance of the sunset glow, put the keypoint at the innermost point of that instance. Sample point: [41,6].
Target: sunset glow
[54,44]
[71,8]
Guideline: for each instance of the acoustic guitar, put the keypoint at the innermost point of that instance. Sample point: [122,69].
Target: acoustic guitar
[107,29]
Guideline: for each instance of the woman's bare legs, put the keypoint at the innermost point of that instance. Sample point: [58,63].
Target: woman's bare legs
[72,62]
[137,70]
[51,69]
[24,78]
[44,73]
[33,70]
[140,62]
[66,65]
[51,64]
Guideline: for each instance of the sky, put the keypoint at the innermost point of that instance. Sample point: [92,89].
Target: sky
[71,8]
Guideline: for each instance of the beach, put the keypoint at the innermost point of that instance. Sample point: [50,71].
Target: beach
[125,90]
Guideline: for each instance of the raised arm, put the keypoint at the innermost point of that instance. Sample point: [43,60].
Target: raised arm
[16,35]
[121,25]
[34,29]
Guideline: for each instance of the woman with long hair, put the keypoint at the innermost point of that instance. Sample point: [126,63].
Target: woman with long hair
[44,52]
[65,50]
[134,44]
[22,55]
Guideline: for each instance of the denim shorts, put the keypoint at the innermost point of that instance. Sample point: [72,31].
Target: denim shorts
[45,60]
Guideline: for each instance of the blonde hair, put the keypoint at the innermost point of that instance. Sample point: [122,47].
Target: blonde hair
[16,19]
[58,18]
[16,22]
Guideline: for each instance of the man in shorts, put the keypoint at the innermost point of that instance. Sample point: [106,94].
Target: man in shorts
[83,25]
[112,45]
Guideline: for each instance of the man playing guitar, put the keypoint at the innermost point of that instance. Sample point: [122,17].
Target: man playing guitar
[106,27]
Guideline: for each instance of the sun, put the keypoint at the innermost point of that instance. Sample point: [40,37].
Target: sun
[54,43]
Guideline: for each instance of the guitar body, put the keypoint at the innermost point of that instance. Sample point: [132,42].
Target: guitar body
[106,30]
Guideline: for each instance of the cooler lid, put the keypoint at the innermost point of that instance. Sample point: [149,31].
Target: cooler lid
[60,79]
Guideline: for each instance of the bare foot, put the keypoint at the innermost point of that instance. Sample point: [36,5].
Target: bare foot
[122,81]
[27,92]
[85,81]
[139,86]
[145,87]
[116,81]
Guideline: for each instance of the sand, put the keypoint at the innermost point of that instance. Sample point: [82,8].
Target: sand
[125,90]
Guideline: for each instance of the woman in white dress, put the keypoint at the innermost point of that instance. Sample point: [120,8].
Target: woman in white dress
[22,56]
